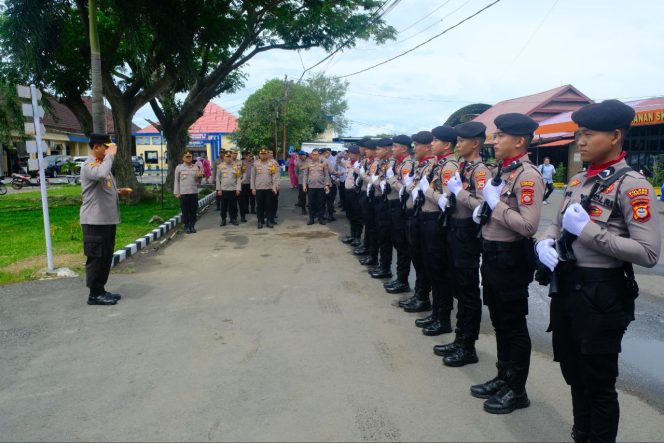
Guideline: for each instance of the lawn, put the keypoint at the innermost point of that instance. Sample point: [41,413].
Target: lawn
[22,244]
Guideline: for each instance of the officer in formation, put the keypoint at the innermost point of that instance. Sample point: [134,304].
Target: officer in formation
[185,187]
[331,195]
[381,208]
[352,204]
[368,251]
[264,186]
[300,167]
[316,183]
[99,217]
[607,222]
[229,185]
[246,199]
[274,165]
[219,160]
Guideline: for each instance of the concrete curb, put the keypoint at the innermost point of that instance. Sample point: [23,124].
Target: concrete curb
[131,249]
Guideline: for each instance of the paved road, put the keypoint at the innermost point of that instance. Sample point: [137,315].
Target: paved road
[241,334]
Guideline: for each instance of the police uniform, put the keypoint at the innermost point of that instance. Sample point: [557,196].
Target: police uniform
[264,178]
[367,202]
[217,162]
[464,252]
[353,211]
[382,214]
[245,190]
[331,196]
[316,178]
[186,182]
[507,270]
[401,166]
[300,166]
[595,302]
[229,184]
[99,216]
[275,195]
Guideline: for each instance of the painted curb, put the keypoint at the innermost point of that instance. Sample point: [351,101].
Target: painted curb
[131,249]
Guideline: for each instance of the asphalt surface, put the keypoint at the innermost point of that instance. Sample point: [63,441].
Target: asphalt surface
[242,334]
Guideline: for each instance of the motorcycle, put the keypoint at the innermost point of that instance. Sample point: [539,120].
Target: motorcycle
[20,180]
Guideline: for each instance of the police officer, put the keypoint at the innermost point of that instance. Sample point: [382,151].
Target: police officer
[382,209]
[316,185]
[264,178]
[229,186]
[99,216]
[402,165]
[617,225]
[245,186]
[465,194]
[366,172]
[300,166]
[331,196]
[217,162]
[185,188]
[507,260]
[353,212]
[275,196]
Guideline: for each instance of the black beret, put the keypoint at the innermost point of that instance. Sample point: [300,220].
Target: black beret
[370,144]
[364,141]
[402,140]
[315,150]
[422,137]
[354,149]
[605,116]
[444,133]
[99,139]
[516,124]
[384,143]
[470,130]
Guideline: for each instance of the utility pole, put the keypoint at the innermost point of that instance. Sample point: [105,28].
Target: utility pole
[285,99]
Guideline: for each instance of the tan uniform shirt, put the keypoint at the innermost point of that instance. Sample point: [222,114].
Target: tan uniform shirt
[476,175]
[246,172]
[623,225]
[368,164]
[403,167]
[422,169]
[277,178]
[186,179]
[517,214]
[217,162]
[381,169]
[264,175]
[317,174]
[349,183]
[229,177]
[445,169]
[99,194]
[300,167]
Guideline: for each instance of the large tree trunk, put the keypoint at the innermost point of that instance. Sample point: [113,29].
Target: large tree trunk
[122,167]
[98,114]
[176,140]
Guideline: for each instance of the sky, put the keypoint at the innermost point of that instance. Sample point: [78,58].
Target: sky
[605,48]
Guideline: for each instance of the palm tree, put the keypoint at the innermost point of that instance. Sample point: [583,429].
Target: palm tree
[98,114]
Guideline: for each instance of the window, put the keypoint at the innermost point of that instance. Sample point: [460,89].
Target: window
[156,140]
[142,140]
[152,157]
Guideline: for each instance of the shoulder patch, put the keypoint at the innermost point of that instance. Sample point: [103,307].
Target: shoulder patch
[527,183]
[480,174]
[527,196]
[574,182]
[610,189]
[481,182]
[640,209]
[637,192]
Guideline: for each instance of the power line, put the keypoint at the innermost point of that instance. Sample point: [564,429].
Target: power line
[536,30]
[426,16]
[423,43]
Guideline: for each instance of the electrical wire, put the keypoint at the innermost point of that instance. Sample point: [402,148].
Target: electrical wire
[536,30]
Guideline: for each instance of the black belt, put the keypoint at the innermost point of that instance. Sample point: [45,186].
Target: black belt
[501,246]
[428,215]
[395,202]
[462,222]
[410,212]
[582,274]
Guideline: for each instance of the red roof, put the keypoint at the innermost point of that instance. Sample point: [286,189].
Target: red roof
[61,119]
[214,119]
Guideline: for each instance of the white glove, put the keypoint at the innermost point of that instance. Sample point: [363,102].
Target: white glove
[356,165]
[362,170]
[389,173]
[374,178]
[491,194]
[476,214]
[357,181]
[408,180]
[442,202]
[454,184]
[575,219]
[414,193]
[382,186]
[424,184]
[368,190]
[401,191]
[547,254]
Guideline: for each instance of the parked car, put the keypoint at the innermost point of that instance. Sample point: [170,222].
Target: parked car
[80,161]
[54,164]
[138,163]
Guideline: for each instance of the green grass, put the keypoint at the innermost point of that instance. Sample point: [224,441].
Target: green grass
[22,240]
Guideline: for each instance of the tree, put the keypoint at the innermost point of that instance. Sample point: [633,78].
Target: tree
[462,115]
[332,94]
[98,112]
[261,118]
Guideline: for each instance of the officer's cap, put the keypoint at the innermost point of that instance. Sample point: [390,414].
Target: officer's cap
[315,150]
[402,140]
[370,145]
[605,116]
[99,139]
[227,154]
[263,151]
[353,149]
[422,137]
[187,154]
[364,141]
[301,152]
[444,133]
[516,124]
[384,143]
[470,130]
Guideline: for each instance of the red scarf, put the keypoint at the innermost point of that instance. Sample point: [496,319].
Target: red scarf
[426,159]
[440,157]
[593,170]
[508,161]
[399,159]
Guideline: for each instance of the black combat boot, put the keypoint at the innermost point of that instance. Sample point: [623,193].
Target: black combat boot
[347,239]
[101,299]
[491,387]
[192,229]
[270,223]
[464,355]
[579,436]
[311,221]
[418,305]
[381,273]
[439,327]
[369,261]
[260,224]
[449,348]
[223,222]
[406,301]
[361,250]
[426,321]
[234,222]
[507,400]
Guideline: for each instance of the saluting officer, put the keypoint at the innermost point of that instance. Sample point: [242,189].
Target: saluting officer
[185,188]
[300,166]
[264,178]
[401,167]
[228,186]
[382,209]
[432,236]
[353,211]
[508,262]
[617,225]
[316,185]
[465,189]
[99,216]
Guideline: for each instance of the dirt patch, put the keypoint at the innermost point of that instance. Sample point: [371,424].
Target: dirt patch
[309,235]
[38,262]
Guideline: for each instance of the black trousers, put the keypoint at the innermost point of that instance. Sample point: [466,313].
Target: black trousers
[383,232]
[316,198]
[549,190]
[435,263]
[275,206]
[464,278]
[354,214]
[369,222]
[264,202]
[330,197]
[399,237]
[342,195]
[218,202]
[252,201]
[98,247]
[506,274]
[243,201]
[228,204]
[588,319]
[301,197]
[422,284]
[189,208]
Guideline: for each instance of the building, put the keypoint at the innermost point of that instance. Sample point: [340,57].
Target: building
[212,132]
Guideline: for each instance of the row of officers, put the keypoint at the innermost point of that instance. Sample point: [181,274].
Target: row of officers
[432,199]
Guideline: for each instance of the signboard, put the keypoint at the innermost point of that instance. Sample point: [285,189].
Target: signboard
[653,117]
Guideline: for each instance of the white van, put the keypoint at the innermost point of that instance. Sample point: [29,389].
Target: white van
[310,146]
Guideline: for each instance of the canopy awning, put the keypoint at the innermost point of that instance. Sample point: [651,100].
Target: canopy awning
[555,143]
